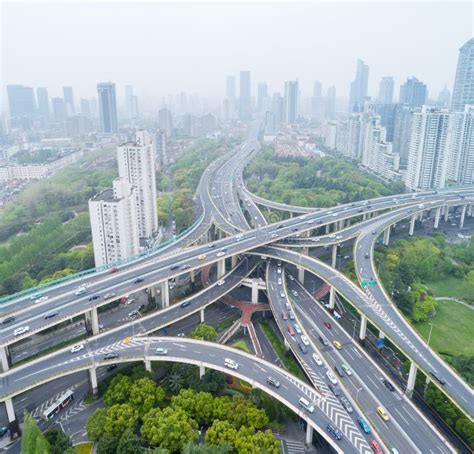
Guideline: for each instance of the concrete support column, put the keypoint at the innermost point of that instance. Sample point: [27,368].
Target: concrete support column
[463,216]
[165,294]
[437,217]
[412,225]
[305,251]
[469,210]
[220,268]
[93,380]
[5,358]
[411,379]
[221,235]
[332,298]
[301,274]
[92,322]
[386,236]
[254,291]
[334,256]
[287,345]
[233,261]
[148,365]
[381,335]
[202,371]
[192,276]
[153,292]
[10,410]
[328,228]
[201,315]
[446,213]
[363,327]
[365,217]
[309,434]
[425,388]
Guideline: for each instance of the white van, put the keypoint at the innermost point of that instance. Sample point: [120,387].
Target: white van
[231,364]
[306,404]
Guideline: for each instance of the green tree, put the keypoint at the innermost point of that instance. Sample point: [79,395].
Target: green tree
[221,433]
[204,332]
[118,391]
[118,418]
[129,443]
[250,442]
[33,441]
[107,444]
[145,395]
[194,448]
[95,424]
[174,381]
[58,441]
[198,405]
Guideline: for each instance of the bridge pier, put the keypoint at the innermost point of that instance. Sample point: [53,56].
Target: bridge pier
[220,268]
[201,315]
[254,291]
[5,358]
[92,322]
[192,276]
[328,228]
[332,298]
[165,294]
[233,261]
[334,256]
[93,381]
[13,424]
[363,327]
[437,216]
[469,210]
[446,213]
[287,345]
[301,275]
[148,365]
[202,371]
[386,236]
[463,216]
[411,379]
[412,225]
[309,434]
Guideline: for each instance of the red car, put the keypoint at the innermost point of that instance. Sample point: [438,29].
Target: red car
[327,325]
[375,447]
[113,270]
[284,316]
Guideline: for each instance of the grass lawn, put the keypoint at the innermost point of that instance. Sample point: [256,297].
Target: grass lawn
[241,345]
[452,286]
[84,448]
[452,329]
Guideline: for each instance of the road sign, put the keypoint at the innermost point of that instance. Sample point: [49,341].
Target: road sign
[380,343]
[367,283]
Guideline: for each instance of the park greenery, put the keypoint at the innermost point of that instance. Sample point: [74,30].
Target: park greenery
[53,441]
[312,182]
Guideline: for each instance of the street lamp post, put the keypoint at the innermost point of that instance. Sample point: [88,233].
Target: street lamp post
[357,393]
[429,335]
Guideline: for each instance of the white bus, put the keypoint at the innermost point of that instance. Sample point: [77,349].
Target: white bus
[58,405]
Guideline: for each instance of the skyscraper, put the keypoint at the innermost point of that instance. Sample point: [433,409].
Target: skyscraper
[262,95]
[317,103]
[131,102]
[386,90]
[291,102]
[107,107]
[59,109]
[278,110]
[359,85]
[463,92]
[165,121]
[85,107]
[443,98]
[43,102]
[21,101]
[331,103]
[413,93]
[68,100]
[136,163]
[245,106]
[230,88]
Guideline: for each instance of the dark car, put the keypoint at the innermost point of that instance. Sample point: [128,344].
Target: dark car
[302,347]
[334,389]
[93,297]
[366,255]
[111,367]
[53,314]
[280,226]
[7,320]
[111,355]
[389,386]
[138,280]
[3,431]
[174,267]
[438,377]
[295,229]
[139,308]
[185,304]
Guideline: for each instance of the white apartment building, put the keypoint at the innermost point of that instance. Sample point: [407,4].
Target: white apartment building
[23,172]
[136,164]
[114,223]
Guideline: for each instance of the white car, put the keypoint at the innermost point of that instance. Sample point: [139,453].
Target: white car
[231,364]
[315,240]
[80,291]
[332,235]
[305,340]
[332,377]
[334,215]
[108,296]
[317,359]
[42,299]
[221,282]
[21,330]
[297,328]
[220,254]
[161,351]
[279,281]
[279,270]
[274,235]
[77,348]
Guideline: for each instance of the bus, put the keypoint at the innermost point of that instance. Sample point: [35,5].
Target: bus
[58,405]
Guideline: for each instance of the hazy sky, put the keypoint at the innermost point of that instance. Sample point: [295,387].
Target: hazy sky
[162,47]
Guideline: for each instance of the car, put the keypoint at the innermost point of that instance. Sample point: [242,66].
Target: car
[77,348]
[339,371]
[327,325]
[290,330]
[295,229]
[332,378]
[366,255]
[180,335]
[291,278]
[311,221]
[375,447]
[291,315]
[161,351]
[174,267]
[279,270]
[388,385]
[111,355]
[294,293]
[346,369]
[133,313]
[332,236]
[111,367]
[302,347]
[334,215]
[220,282]
[279,281]
[211,245]
[323,340]
[273,382]
[35,296]
[374,232]
[113,270]
[382,413]
[363,425]
[80,291]
[138,280]
[231,364]
[3,431]
[109,295]
[279,226]
[274,235]
[334,389]
[306,404]
[201,257]
[220,254]
[238,237]
[438,377]
[8,320]
[337,344]
[21,330]
[140,307]
[186,267]
[334,431]
[305,340]
[93,297]
[129,301]
[297,328]
[42,299]
[317,359]
[51,315]
[315,240]
[284,315]
[185,304]
[346,404]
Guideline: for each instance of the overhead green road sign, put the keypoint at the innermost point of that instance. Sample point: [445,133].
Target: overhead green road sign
[368,283]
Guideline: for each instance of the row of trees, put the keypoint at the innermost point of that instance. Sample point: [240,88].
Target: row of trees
[313,182]
[34,441]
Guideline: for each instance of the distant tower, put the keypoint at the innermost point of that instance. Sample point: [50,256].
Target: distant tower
[386,90]
[291,101]
[413,93]
[359,86]
[463,92]
[245,111]
[262,95]
[68,100]
[331,103]
[43,102]
[107,107]
[59,109]
[21,101]
[165,121]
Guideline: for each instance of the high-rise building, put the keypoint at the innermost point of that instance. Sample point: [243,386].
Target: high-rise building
[401,132]
[69,100]
[165,121]
[386,90]
[230,88]
[359,86]
[278,110]
[131,102]
[331,103]
[317,102]
[262,95]
[21,101]
[59,109]
[463,91]
[43,102]
[245,103]
[413,93]
[114,226]
[85,107]
[136,163]
[107,107]
[291,102]
[443,98]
